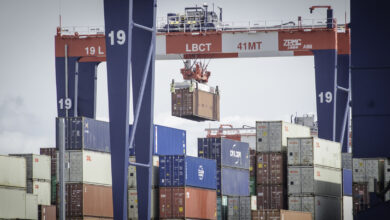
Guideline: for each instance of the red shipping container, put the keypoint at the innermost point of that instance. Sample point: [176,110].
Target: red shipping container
[361,197]
[271,168]
[270,197]
[188,202]
[86,200]
[46,212]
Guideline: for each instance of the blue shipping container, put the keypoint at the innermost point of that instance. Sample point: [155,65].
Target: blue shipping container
[90,134]
[227,152]
[180,171]
[347,182]
[233,182]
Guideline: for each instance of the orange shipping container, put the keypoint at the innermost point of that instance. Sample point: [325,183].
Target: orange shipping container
[294,215]
[46,212]
[188,202]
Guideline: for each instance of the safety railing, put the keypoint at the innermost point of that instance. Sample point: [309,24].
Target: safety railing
[82,30]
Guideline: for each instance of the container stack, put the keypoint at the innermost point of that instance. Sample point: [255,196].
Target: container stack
[15,202]
[53,155]
[88,174]
[232,159]
[271,164]
[368,177]
[252,172]
[187,187]
[315,177]
[38,170]
[132,190]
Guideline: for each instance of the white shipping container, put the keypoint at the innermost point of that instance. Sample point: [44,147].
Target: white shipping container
[31,206]
[368,170]
[38,166]
[12,171]
[314,180]
[313,151]
[12,203]
[387,170]
[40,189]
[133,204]
[271,136]
[321,207]
[89,167]
[251,140]
[347,208]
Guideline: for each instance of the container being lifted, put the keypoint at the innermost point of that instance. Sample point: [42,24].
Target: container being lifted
[195,101]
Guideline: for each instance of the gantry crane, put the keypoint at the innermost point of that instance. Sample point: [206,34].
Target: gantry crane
[77,57]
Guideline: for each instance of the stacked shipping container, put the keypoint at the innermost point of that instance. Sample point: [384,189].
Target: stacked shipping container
[187,187]
[271,165]
[315,177]
[15,202]
[233,164]
[87,147]
[53,179]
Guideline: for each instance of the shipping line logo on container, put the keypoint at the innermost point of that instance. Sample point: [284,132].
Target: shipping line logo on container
[200,172]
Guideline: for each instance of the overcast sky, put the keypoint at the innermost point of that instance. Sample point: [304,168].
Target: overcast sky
[251,89]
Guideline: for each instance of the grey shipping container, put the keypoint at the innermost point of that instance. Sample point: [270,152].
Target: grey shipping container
[245,208]
[313,151]
[322,207]
[222,207]
[132,173]
[272,135]
[346,160]
[369,170]
[387,170]
[315,180]
[133,204]
[227,152]
[233,208]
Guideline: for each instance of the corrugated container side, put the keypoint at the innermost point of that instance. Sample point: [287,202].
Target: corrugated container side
[12,203]
[266,214]
[369,170]
[272,135]
[245,208]
[387,170]
[295,215]
[234,182]
[15,177]
[41,189]
[270,197]
[346,159]
[169,141]
[233,208]
[133,204]
[347,182]
[132,173]
[252,162]
[187,171]
[347,208]
[313,151]
[271,168]
[361,197]
[53,192]
[88,167]
[319,206]
[31,206]
[53,156]
[317,180]
[38,166]
[47,212]
[179,202]
[252,186]
[229,153]
[88,200]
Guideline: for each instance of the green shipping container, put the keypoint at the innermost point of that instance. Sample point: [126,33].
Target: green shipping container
[252,186]
[54,190]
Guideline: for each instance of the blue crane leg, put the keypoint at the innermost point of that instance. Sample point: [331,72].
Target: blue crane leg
[325,62]
[60,82]
[342,99]
[86,101]
[118,37]
[144,14]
